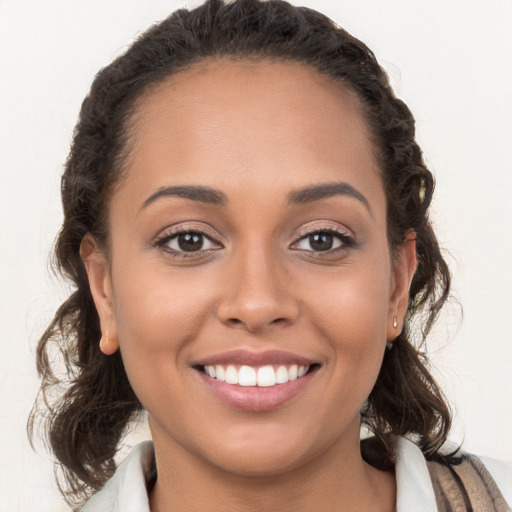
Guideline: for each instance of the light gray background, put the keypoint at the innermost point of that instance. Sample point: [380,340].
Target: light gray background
[449,60]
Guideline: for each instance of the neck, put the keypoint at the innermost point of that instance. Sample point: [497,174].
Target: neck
[337,479]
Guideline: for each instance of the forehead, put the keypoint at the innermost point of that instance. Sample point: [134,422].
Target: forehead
[249,94]
[282,122]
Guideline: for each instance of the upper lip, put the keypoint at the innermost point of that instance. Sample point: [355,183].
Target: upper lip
[251,358]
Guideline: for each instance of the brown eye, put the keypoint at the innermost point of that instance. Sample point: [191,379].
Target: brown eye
[321,241]
[190,242]
[187,242]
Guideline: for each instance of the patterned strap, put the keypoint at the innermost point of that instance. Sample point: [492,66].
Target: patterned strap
[465,487]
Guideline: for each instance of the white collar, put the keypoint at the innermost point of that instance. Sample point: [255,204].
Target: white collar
[126,490]
[414,486]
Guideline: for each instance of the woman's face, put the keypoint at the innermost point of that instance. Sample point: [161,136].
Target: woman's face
[248,244]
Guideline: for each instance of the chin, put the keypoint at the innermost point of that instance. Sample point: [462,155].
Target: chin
[260,462]
[273,450]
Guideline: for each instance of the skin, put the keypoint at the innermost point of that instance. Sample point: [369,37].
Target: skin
[255,131]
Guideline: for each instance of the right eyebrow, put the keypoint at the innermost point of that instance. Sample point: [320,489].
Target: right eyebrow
[193,192]
[325,190]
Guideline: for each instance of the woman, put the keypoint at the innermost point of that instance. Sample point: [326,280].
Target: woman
[246,226]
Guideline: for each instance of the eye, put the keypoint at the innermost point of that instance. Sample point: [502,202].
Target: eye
[187,242]
[319,242]
[327,240]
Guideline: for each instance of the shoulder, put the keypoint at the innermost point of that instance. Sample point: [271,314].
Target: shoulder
[501,472]
[463,482]
[127,491]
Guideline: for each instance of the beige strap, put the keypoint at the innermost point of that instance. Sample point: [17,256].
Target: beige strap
[465,487]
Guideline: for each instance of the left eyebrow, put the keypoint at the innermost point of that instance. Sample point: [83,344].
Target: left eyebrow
[325,190]
[193,192]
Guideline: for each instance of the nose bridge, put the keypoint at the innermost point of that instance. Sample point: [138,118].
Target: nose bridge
[257,293]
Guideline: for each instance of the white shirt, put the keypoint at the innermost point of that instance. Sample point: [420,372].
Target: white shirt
[126,490]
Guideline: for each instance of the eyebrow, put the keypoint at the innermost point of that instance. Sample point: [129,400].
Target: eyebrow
[194,192]
[325,190]
[303,195]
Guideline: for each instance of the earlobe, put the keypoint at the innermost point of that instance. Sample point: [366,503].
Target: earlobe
[98,274]
[108,343]
[404,266]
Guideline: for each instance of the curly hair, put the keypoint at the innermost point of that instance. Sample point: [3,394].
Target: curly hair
[87,407]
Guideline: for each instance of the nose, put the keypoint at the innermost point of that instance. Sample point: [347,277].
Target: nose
[257,294]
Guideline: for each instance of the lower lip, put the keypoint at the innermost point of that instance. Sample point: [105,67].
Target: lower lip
[254,398]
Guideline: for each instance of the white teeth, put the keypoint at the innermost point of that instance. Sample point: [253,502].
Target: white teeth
[264,376]
[231,375]
[282,375]
[221,374]
[247,376]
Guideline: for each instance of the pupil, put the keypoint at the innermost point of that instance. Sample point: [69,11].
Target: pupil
[190,242]
[321,241]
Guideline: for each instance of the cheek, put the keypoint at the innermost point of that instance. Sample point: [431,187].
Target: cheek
[158,313]
[351,313]
[354,302]
[158,319]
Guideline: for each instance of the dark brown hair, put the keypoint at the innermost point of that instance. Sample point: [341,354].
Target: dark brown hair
[88,407]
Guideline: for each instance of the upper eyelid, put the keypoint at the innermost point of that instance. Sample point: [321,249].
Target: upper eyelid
[171,235]
[173,231]
[330,228]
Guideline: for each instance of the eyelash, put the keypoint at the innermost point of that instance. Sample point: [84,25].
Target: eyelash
[167,237]
[346,241]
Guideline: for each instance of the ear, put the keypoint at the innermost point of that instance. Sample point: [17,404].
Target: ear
[404,266]
[98,273]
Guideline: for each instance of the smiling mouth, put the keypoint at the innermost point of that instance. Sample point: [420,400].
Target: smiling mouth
[262,376]
[254,381]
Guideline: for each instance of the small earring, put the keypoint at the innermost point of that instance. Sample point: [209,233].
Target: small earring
[395,322]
